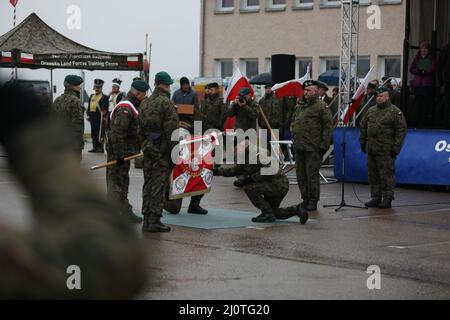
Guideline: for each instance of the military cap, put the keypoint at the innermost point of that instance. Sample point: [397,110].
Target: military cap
[268,86]
[371,85]
[98,83]
[310,83]
[164,77]
[323,85]
[140,85]
[73,80]
[117,82]
[213,85]
[383,89]
[137,78]
[244,92]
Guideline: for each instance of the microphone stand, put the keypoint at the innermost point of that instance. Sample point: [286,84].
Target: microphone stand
[343,204]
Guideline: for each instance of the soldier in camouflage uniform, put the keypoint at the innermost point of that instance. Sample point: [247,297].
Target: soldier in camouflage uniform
[272,107]
[245,111]
[266,192]
[311,129]
[383,130]
[123,141]
[369,100]
[68,109]
[213,108]
[73,224]
[157,121]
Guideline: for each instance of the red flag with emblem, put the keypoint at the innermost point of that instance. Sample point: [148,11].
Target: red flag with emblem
[13,2]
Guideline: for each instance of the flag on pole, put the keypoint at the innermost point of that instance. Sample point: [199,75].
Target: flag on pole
[13,2]
[237,82]
[192,175]
[292,88]
[356,99]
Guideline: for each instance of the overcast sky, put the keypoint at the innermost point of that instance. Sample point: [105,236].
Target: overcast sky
[120,26]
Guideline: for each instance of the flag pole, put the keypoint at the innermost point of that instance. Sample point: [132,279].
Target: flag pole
[14,71]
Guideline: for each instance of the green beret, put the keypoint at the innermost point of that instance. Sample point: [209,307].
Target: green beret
[73,80]
[383,89]
[164,77]
[244,92]
[310,83]
[140,85]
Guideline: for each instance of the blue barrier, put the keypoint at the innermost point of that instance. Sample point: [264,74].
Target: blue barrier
[424,159]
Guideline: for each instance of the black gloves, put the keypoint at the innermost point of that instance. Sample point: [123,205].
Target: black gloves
[394,154]
[215,170]
[363,148]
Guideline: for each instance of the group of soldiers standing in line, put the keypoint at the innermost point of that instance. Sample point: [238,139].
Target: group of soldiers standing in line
[144,123]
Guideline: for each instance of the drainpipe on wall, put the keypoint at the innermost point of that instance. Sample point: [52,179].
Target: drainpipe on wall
[202,37]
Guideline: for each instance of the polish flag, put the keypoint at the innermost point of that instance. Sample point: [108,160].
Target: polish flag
[356,99]
[13,2]
[292,88]
[237,82]
[133,61]
[6,57]
[26,58]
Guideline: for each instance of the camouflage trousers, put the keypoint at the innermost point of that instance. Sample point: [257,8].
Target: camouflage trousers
[308,165]
[268,195]
[156,175]
[381,169]
[117,182]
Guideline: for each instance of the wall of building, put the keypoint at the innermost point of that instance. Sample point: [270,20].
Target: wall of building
[311,33]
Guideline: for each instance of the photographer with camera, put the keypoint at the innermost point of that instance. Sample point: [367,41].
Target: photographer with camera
[244,109]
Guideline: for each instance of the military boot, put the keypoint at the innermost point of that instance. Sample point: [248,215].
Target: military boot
[264,218]
[195,208]
[312,206]
[386,204]
[373,203]
[131,217]
[152,224]
[302,214]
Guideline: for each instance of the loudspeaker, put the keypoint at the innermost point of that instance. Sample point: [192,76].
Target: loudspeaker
[283,68]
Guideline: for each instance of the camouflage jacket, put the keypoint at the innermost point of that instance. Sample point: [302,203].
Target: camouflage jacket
[74,226]
[214,110]
[158,119]
[364,101]
[383,129]
[123,137]
[273,109]
[312,126]
[246,116]
[68,109]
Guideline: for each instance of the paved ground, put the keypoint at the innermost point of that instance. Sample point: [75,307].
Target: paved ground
[325,259]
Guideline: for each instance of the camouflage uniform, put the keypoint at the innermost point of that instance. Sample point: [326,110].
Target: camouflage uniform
[273,109]
[266,192]
[383,130]
[311,129]
[73,224]
[373,101]
[68,109]
[157,120]
[214,110]
[123,141]
[246,116]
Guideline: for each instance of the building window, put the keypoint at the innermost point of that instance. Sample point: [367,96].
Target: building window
[301,67]
[275,5]
[268,65]
[363,67]
[330,3]
[328,63]
[224,68]
[249,6]
[389,66]
[390,2]
[224,6]
[249,67]
[302,4]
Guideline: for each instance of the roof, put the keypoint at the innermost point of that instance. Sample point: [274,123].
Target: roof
[47,48]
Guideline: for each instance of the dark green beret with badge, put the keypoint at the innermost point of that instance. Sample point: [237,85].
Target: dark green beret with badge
[140,85]
[310,83]
[244,92]
[164,77]
[383,89]
[73,80]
